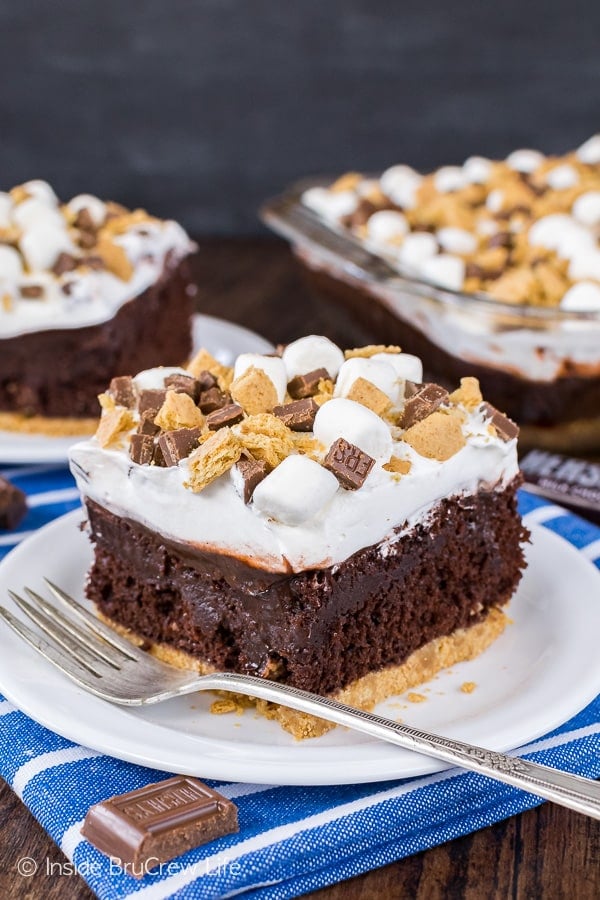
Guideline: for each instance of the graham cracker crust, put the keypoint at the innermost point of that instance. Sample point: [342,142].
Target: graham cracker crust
[365,692]
[45,425]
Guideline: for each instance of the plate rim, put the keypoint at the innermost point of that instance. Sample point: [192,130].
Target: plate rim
[311,771]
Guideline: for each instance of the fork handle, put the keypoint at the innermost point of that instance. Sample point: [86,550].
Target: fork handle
[572,791]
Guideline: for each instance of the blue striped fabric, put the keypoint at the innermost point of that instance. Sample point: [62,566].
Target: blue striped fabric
[292,840]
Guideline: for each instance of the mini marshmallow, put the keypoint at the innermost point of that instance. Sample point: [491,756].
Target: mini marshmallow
[356,424]
[272,366]
[41,191]
[400,184]
[11,267]
[386,225]
[562,177]
[367,186]
[406,366]
[494,200]
[449,179]
[585,264]
[562,233]
[295,491]
[310,353]
[582,297]
[417,247]
[456,240]
[445,270]
[477,169]
[154,379]
[42,245]
[95,207]
[586,208]
[525,161]
[589,152]
[486,227]
[378,372]
[6,205]
[33,212]
[330,205]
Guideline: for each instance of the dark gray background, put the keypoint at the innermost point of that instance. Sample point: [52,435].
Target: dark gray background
[199,110]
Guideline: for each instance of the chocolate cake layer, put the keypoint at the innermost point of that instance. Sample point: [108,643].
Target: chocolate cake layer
[61,372]
[566,399]
[322,629]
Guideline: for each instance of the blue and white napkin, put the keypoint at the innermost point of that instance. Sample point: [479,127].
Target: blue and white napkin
[292,840]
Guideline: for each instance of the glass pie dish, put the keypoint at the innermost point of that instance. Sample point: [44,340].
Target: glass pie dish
[540,365]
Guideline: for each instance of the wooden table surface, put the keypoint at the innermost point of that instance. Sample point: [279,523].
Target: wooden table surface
[545,853]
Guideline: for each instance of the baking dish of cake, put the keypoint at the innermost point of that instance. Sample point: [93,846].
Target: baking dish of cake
[322,518]
[490,269]
[86,289]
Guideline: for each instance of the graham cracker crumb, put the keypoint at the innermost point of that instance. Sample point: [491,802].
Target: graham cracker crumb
[369,395]
[106,401]
[325,391]
[468,394]
[266,437]
[397,465]
[7,302]
[178,411]
[416,698]
[212,459]
[124,221]
[254,391]
[346,182]
[224,706]
[438,436]
[204,361]
[113,425]
[467,687]
[114,257]
[308,445]
[371,350]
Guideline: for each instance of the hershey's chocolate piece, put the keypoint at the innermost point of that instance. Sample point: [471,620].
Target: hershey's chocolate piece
[501,239]
[306,385]
[349,464]
[84,221]
[141,449]
[506,428]
[410,388]
[206,380]
[159,459]
[213,399]
[31,291]
[252,471]
[147,424]
[573,482]
[184,384]
[93,262]
[151,399]
[299,415]
[425,400]
[156,823]
[122,391]
[65,262]
[176,445]
[87,239]
[227,415]
[13,504]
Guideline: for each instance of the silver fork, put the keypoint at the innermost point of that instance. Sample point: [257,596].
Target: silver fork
[102,662]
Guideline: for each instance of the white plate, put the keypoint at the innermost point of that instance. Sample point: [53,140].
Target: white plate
[224,340]
[541,671]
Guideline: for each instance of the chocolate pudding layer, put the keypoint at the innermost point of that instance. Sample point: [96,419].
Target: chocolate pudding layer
[320,629]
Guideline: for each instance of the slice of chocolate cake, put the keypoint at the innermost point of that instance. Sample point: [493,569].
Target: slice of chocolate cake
[88,291]
[333,523]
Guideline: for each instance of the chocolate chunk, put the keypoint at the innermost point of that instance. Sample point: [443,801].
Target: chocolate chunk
[573,482]
[13,504]
[422,403]
[501,239]
[411,388]
[64,263]
[146,424]
[156,823]
[213,399]
[206,380]
[227,415]
[159,459]
[176,445]
[349,464]
[505,427]
[141,449]
[93,262]
[252,472]
[151,399]
[184,384]
[31,291]
[299,415]
[84,221]
[122,391]
[87,239]
[306,385]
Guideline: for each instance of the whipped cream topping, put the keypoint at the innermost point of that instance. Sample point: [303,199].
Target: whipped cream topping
[300,516]
[74,265]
